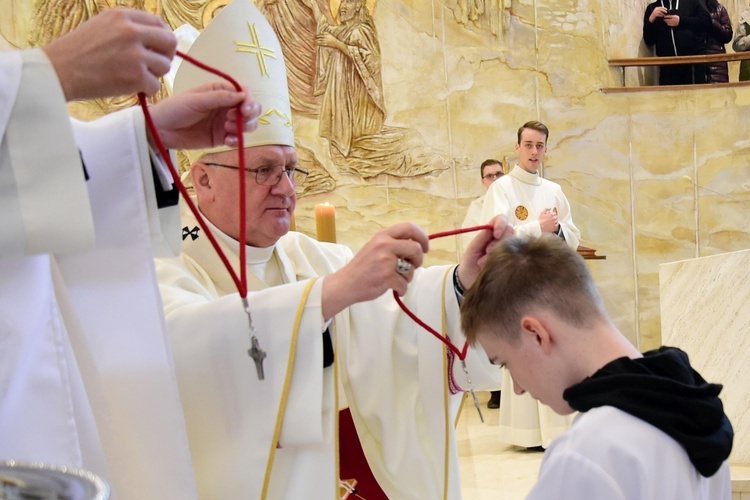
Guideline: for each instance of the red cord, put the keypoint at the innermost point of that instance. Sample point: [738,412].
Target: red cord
[241,281]
[445,340]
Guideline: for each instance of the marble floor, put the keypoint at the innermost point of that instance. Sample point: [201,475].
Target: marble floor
[491,469]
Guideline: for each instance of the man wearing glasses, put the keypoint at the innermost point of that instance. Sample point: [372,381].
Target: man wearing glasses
[490,170]
[324,317]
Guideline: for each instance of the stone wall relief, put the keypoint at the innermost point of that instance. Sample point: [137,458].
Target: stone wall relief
[334,72]
[483,14]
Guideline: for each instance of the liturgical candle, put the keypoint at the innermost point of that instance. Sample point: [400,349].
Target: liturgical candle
[325,222]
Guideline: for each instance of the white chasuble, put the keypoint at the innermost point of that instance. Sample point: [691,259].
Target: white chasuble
[85,371]
[473,218]
[394,374]
[522,197]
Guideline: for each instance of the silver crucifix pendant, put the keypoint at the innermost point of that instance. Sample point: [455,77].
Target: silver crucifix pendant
[258,356]
[471,389]
[256,351]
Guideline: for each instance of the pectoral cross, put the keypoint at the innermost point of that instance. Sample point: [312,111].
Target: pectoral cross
[255,351]
[471,389]
[258,356]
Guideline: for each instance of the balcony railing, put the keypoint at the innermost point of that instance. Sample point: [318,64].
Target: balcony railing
[666,61]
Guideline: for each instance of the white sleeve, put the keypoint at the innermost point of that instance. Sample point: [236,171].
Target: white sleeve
[495,202]
[117,157]
[566,475]
[570,231]
[43,196]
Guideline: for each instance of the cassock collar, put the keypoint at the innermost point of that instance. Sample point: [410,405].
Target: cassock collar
[522,175]
[662,389]
[254,255]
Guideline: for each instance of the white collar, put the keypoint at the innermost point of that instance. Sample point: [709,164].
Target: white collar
[522,175]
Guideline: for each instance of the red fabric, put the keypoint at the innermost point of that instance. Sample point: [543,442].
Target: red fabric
[352,461]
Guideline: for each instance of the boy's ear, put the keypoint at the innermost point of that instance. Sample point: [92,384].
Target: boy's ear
[537,332]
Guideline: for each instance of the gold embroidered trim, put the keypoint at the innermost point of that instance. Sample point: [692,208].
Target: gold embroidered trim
[446,392]
[264,121]
[254,47]
[285,391]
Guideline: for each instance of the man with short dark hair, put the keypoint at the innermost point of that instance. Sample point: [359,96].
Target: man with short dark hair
[534,206]
[490,170]
[649,427]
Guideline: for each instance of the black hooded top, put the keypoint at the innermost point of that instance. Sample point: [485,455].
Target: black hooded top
[663,390]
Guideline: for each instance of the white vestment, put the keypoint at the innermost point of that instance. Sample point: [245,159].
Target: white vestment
[473,218]
[524,421]
[522,197]
[610,454]
[85,370]
[394,374]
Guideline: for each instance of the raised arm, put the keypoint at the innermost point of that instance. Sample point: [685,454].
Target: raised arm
[118,52]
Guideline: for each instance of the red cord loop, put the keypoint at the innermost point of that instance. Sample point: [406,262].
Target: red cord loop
[445,340]
[241,280]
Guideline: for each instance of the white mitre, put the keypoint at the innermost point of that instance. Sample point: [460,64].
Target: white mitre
[240,42]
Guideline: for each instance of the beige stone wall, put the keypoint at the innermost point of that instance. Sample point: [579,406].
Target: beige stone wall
[622,159]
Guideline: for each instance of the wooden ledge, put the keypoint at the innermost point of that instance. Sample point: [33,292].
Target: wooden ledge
[671,60]
[660,88]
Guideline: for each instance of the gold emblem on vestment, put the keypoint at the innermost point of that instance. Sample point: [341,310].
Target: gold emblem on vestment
[254,47]
[521,212]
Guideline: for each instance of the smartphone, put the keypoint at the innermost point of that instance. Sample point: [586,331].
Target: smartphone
[671,13]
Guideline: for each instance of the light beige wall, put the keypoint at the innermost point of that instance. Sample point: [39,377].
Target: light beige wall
[620,158]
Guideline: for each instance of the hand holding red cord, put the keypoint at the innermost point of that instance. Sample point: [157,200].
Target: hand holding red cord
[241,280]
[476,254]
[205,116]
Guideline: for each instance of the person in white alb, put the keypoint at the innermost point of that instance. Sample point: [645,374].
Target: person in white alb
[86,378]
[649,425]
[490,170]
[534,206]
[319,313]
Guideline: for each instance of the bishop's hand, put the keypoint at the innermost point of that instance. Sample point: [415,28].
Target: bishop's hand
[379,266]
[204,116]
[480,246]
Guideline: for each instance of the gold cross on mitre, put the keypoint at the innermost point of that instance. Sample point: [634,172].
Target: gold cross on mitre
[254,47]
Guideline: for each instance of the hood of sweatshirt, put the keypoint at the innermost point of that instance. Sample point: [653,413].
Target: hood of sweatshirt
[662,389]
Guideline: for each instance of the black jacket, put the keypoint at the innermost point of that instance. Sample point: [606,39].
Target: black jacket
[689,36]
[718,35]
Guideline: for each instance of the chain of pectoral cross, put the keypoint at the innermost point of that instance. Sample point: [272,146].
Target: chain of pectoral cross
[255,351]
[444,338]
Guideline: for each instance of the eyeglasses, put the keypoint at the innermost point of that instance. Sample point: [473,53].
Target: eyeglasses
[270,176]
[492,176]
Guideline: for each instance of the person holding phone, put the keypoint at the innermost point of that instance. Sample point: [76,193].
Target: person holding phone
[678,28]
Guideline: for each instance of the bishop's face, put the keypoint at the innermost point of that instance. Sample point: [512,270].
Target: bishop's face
[269,199]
